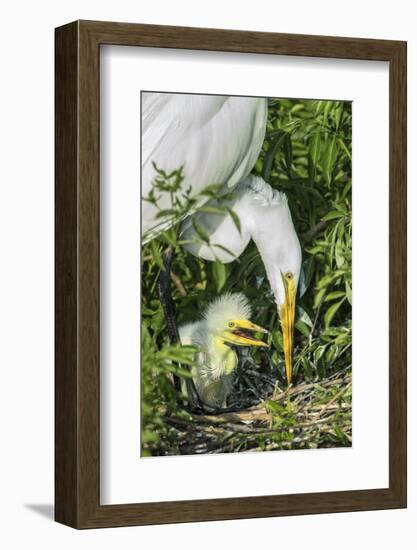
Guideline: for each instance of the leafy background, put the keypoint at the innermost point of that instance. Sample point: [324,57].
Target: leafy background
[306,154]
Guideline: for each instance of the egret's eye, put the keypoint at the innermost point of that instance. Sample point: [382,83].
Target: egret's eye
[289,276]
[231,324]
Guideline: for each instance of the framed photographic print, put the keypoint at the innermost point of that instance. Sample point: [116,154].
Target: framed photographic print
[230,274]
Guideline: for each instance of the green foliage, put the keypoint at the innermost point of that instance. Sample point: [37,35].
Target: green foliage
[158,396]
[306,154]
[316,137]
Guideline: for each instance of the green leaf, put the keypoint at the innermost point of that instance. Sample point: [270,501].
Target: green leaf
[288,152]
[212,190]
[309,266]
[221,247]
[331,312]
[165,213]
[157,255]
[274,147]
[345,149]
[302,327]
[274,407]
[169,238]
[327,106]
[338,114]
[318,353]
[319,106]
[333,215]
[319,297]
[347,189]
[219,274]
[348,292]
[149,437]
[314,148]
[297,107]
[178,355]
[339,434]
[217,210]
[303,316]
[199,229]
[235,219]
[334,295]
[331,277]
[329,159]
[306,365]
[339,255]
[277,340]
[331,353]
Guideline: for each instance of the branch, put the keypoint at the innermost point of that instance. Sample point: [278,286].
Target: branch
[177,282]
[313,231]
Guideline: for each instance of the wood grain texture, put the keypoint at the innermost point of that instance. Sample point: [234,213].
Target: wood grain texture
[398,274]
[66,237]
[78,284]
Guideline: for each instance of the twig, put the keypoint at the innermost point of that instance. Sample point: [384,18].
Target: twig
[259,412]
[313,231]
[262,376]
[316,318]
[310,422]
[177,282]
[249,430]
[252,387]
[333,400]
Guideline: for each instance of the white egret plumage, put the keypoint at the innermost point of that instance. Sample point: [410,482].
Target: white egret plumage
[217,140]
[224,323]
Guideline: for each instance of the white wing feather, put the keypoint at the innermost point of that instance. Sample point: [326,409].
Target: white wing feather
[216,139]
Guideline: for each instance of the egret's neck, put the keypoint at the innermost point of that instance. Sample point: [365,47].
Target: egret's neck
[275,237]
[223,359]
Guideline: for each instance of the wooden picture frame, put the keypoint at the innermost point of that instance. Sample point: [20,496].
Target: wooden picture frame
[77,425]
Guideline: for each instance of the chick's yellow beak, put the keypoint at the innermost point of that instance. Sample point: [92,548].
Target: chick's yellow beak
[287,314]
[237,333]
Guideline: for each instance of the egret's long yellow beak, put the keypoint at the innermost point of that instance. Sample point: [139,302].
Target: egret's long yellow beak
[237,333]
[287,321]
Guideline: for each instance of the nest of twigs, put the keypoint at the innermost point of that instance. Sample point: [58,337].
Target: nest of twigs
[264,415]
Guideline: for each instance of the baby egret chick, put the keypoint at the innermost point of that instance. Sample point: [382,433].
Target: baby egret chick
[225,323]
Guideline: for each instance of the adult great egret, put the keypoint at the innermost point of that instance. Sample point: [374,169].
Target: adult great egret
[217,140]
[225,322]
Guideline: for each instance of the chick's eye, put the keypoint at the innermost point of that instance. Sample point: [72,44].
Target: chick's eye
[231,324]
[289,276]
